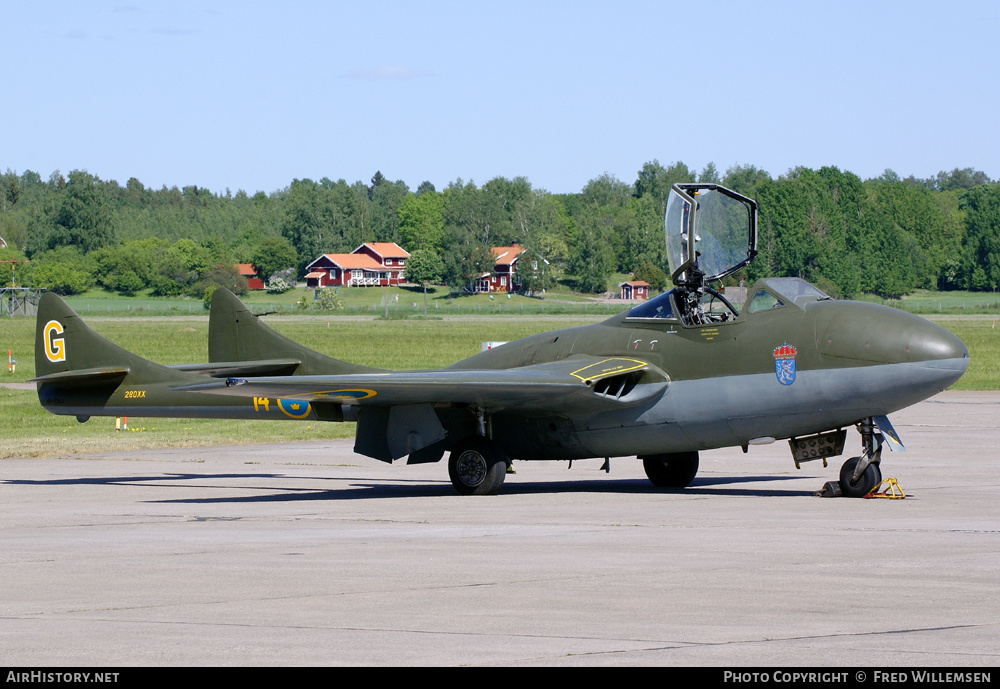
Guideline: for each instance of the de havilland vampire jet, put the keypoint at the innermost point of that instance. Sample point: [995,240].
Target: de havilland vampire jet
[681,373]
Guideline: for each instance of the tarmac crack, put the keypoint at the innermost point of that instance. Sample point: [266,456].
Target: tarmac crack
[685,645]
[521,635]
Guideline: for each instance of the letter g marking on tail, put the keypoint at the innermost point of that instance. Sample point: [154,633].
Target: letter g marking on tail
[55,347]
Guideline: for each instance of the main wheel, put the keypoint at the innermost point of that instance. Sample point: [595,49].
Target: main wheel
[871,477]
[477,466]
[675,470]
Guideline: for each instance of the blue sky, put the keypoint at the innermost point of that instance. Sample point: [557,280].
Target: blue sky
[251,95]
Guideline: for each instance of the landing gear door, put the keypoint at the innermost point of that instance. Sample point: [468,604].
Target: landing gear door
[711,232]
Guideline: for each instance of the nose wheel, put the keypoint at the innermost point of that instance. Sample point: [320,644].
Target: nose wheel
[859,475]
[861,486]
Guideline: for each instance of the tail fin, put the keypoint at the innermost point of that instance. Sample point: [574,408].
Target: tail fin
[235,334]
[80,373]
[68,351]
[232,329]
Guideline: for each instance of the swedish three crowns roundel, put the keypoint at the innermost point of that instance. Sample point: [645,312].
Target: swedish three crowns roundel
[784,364]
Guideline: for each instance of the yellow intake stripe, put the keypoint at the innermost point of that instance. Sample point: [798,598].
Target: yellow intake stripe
[608,367]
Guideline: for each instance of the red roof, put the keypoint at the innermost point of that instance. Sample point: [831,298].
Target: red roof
[349,261]
[505,255]
[246,270]
[386,249]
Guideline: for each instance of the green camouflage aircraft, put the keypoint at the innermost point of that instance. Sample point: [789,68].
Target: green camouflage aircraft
[684,372]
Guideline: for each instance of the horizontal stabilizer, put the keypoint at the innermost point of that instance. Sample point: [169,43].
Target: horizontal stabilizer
[87,376]
[228,369]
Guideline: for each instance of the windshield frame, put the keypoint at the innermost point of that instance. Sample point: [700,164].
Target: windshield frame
[786,291]
[681,232]
[652,309]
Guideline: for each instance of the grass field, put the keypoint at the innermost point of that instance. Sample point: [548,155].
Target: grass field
[403,300]
[926,302]
[27,430]
[409,301]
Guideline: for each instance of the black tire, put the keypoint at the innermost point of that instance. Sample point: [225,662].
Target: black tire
[675,470]
[477,466]
[871,477]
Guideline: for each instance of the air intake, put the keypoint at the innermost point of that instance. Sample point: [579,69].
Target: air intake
[616,387]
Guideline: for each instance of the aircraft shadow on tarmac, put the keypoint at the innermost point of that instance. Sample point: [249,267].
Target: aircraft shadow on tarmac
[366,488]
[127,480]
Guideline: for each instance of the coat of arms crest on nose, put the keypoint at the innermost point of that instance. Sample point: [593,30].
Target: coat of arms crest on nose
[784,364]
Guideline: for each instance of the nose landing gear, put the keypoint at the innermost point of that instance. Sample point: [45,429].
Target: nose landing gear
[859,475]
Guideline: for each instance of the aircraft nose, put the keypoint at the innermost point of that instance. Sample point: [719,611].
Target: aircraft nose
[932,342]
[913,358]
[870,332]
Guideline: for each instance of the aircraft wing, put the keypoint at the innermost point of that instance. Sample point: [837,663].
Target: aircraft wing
[576,383]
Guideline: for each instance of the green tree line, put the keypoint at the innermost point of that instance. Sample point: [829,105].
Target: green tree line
[886,235]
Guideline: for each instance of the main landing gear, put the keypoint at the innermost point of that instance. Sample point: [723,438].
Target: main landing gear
[859,475]
[477,466]
[675,470]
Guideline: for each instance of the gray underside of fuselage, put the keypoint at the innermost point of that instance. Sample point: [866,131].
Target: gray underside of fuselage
[730,411]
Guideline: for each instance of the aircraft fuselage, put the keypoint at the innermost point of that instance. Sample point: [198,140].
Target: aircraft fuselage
[778,373]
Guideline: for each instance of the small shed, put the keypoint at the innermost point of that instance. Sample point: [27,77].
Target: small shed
[634,289]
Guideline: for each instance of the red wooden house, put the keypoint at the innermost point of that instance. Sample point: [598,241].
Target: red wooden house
[388,254]
[373,264]
[510,265]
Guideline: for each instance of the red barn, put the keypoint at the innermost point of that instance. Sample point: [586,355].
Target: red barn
[373,264]
[250,274]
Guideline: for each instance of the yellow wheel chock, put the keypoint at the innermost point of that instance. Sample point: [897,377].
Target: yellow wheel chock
[892,490]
